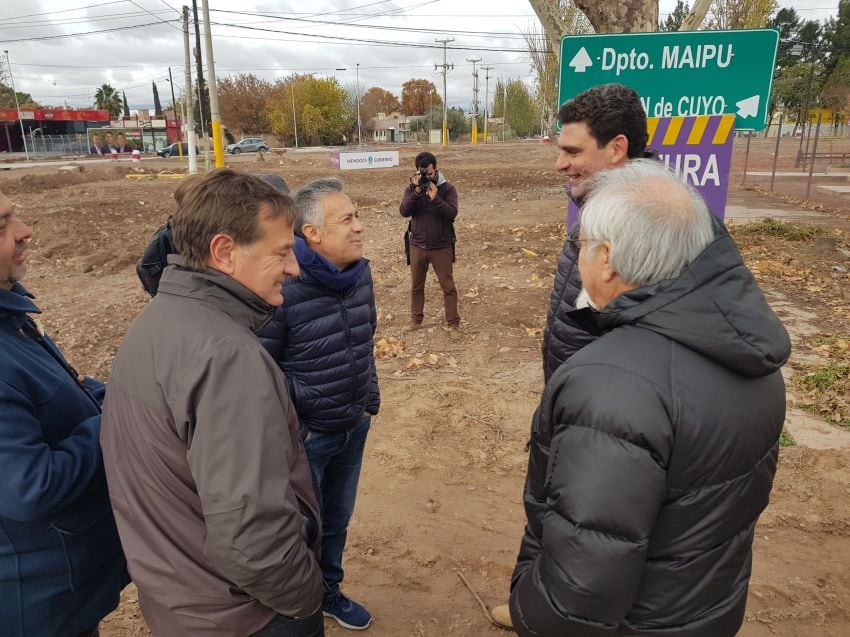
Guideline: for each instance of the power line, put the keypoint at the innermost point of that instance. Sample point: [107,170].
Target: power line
[136,4]
[77,35]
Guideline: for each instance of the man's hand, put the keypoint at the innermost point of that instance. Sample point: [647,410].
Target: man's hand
[414,181]
[432,191]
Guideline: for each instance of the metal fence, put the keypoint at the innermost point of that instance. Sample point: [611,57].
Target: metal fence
[57,145]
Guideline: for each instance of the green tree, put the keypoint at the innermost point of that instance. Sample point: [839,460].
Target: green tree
[836,89]
[106,98]
[322,109]
[674,21]
[793,86]
[740,14]
[836,36]
[514,102]
[7,98]
[157,106]
[126,107]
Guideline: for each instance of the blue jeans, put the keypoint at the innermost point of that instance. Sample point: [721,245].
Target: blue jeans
[335,461]
[280,626]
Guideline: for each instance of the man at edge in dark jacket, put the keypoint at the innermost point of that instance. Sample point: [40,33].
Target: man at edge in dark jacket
[322,338]
[431,237]
[654,448]
[61,565]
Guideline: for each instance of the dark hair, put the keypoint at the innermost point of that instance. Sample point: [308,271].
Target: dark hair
[224,201]
[609,110]
[425,159]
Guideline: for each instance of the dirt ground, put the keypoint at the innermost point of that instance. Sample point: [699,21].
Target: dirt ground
[445,463]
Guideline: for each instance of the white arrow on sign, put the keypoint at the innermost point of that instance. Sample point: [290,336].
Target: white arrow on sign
[581,61]
[748,107]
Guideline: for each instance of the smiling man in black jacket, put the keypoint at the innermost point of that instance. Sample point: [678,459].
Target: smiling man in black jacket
[654,448]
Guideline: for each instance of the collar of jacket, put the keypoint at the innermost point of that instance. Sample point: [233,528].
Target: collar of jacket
[18,300]
[315,266]
[440,179]
[217,289]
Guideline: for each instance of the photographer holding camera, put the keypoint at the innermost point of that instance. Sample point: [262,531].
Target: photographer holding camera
[430,202]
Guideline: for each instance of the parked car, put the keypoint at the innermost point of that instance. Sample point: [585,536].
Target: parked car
[172,151]
[248,145]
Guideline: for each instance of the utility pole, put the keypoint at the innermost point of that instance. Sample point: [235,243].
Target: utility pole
[487,70]
[294,120]
[190,115]
[174,106]
[357,84]
[504,108]
[18,107]
[445,68]
[214,116]
[474,98]
[199,62]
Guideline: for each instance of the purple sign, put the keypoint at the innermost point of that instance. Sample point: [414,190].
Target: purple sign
[699,149]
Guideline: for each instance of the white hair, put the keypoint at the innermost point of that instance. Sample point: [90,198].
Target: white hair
[308,200]
[656,223]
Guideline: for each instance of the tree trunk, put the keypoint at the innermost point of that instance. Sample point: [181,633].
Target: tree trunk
[626,16]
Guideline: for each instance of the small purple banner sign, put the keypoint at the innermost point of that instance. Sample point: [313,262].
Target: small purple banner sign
[698,149]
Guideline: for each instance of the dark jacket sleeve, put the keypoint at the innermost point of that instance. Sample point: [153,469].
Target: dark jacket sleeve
[594,506]
[38,480]
[373,404]
[240,456]
[273,334]
[445,204]
[563,337]
[410,202]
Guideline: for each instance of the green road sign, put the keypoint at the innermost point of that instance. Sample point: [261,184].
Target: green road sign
[678,73]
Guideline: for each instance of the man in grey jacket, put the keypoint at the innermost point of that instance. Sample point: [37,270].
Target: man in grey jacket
[206,470]
[654,448]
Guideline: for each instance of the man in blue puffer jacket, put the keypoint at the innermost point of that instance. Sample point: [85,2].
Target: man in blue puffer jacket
[322,338]
[61,564]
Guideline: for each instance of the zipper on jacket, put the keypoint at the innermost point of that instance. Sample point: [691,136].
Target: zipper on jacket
[346,323]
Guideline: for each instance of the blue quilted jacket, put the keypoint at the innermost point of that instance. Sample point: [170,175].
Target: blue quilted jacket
[322,338]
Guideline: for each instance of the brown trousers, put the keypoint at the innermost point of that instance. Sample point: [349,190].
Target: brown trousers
[441,261]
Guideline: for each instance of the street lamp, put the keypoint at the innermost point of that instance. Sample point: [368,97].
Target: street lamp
[357,89]
[17,106]
[294,121]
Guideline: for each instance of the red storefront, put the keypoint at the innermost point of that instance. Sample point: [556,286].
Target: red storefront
[50,121]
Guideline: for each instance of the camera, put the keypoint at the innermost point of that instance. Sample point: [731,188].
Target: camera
[424,180]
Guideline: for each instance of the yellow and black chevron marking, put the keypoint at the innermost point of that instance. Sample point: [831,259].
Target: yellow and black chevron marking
[677,129]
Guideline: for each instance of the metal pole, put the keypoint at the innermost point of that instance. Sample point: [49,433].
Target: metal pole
[215,117]
[190,115]
[200,66]
[808,140]
[17,106]
[804,116]
[445,71]
[487,70]
[294,121]
[814,154]
[776,150]
[474,136]
[747,157]
[174,103]
[357,83]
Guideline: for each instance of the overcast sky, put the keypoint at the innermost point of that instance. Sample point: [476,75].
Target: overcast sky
[392,40]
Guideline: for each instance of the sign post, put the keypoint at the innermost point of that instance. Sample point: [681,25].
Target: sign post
[678,74]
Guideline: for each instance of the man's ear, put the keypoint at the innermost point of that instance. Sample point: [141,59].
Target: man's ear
[619,148]
[311,233]
[608,272]
[222,249]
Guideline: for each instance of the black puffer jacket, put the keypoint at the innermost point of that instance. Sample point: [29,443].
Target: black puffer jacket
[653,454]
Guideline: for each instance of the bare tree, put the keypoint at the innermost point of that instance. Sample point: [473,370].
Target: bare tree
[544,59]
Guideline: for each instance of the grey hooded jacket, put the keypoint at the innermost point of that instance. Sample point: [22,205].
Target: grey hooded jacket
[652,456]
[207,474]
